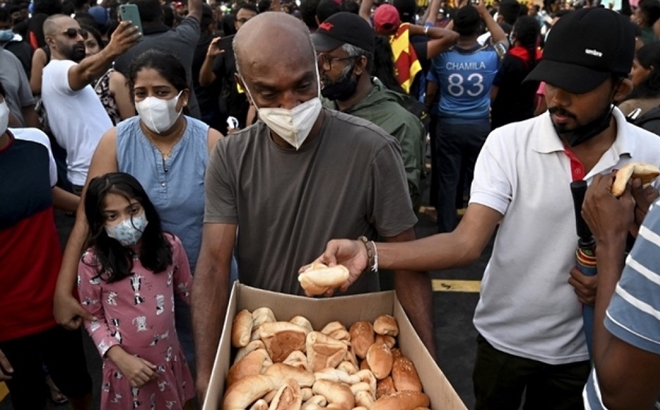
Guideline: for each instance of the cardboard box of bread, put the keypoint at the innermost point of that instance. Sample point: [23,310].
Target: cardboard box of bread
[280,351]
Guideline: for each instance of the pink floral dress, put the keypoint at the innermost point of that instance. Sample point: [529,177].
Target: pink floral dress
[137,313]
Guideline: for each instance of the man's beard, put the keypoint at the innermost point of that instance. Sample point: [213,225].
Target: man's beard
[75,53]
[582,133]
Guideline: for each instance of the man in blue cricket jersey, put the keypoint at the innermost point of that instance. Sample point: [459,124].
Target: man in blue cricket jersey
[463,74]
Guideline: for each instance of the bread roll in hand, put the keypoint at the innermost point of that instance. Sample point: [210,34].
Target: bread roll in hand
[646,172]
[319,278]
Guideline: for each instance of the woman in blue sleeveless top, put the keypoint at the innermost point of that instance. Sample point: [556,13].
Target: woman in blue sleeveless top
[167,152]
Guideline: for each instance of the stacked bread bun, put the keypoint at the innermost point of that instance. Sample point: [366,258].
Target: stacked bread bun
[290,366]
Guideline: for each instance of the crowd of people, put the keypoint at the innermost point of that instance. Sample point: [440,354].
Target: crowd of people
[216,142]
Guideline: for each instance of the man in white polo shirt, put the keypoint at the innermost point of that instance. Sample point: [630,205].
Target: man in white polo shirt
[531,340]
[75,113]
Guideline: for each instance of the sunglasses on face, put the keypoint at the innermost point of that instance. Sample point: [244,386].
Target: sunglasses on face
[73,33]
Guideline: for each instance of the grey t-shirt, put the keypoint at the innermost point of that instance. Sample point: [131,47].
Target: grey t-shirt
[180,42]
[16,84]
[348,181]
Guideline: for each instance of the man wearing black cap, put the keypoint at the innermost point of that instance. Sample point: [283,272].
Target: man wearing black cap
[345,44]
[531,336]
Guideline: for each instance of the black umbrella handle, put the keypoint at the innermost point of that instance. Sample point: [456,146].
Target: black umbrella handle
[578,190]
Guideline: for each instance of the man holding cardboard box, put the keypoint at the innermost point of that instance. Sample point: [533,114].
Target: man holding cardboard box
[299,177]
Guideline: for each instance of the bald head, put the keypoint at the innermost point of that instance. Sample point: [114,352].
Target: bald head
[271,39]
[54,23]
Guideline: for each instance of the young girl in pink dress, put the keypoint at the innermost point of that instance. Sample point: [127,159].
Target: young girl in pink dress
[127,279]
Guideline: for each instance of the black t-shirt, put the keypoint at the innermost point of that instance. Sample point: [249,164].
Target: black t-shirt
[23,52]
[515,100]
[207,97]
[420,44]
[231,102]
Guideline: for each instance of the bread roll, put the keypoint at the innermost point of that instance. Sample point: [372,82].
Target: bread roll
[252,346]
[314,403]
[362,336]
[338,395]
[332,327]
[282,338]
[348,367]
[364,365]
[350,357]
[385,387]
[390,341]
[324,351]
[288,397]
[646,172]
[386,325]
[282,372]
[241,329]
[262,315]
[246,391]
[396,353]
[364,399]
[260,405]
[336,375]
[380,360]
[361,386]
[250,365]
[403,400]
[367,376]
[341,334]
[302,322]
[306,393]
[405,375]
[297,359]
[319,278]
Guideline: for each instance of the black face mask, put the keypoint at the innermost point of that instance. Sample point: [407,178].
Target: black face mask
[343,89]
[587,131]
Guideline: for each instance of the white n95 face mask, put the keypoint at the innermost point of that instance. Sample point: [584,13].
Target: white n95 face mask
[4,117]
[294,125]
[157,114]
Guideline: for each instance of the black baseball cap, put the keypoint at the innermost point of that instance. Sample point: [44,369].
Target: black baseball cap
[344,28]
[584,48]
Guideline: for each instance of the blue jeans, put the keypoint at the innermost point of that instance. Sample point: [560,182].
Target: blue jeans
[456,144]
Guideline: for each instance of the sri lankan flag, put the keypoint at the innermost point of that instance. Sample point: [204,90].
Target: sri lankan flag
[406,64]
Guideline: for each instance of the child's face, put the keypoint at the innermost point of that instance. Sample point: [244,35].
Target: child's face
[118,209]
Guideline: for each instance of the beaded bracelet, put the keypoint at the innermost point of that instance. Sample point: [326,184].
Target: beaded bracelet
[372,252]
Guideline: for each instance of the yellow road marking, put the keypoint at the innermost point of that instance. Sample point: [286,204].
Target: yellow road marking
[464,286]
[3,391]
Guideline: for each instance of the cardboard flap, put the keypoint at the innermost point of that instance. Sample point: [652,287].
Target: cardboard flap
[221,364]
[436,385]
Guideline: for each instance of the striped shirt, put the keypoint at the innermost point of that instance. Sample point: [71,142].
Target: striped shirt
[634,312]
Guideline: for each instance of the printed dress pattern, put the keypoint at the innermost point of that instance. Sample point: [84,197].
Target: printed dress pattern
[137,313]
